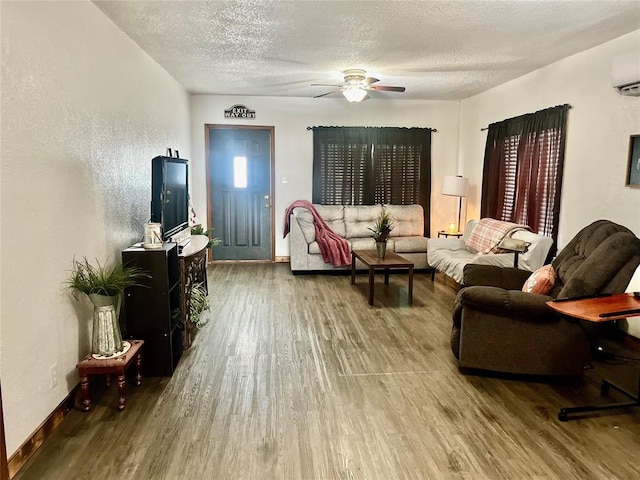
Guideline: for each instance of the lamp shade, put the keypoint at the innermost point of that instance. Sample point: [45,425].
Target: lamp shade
[456,186]
[354,94]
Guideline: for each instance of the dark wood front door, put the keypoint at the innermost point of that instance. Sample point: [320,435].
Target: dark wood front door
[239,166]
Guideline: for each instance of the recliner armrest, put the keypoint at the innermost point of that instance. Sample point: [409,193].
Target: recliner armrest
[510,303]
[492,276]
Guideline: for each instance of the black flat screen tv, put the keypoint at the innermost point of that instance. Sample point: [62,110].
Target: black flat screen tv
[170,195]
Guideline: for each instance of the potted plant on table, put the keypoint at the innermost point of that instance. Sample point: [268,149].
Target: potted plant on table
[381,230]
[104,285]
[200,230]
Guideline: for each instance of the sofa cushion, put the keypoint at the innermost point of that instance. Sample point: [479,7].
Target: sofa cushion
[450,262]
[415,244]
[541,281]
[333,215]
[359,219]
[365,243]
[408,220]
[305,220]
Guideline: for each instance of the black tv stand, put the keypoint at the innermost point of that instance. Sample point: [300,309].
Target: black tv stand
[157,310]
[153,307]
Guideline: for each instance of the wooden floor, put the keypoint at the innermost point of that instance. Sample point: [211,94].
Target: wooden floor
[297,377]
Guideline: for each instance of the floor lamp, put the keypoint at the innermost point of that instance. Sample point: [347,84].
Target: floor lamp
[456,186]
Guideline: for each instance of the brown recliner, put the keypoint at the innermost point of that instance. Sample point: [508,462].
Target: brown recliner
[498,327]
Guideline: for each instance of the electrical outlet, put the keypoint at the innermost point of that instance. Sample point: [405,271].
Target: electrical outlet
[53,375]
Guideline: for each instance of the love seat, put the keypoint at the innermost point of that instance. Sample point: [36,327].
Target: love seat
[352,222]
[450,255]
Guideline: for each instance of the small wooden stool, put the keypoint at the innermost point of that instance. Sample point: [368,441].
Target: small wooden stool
[118,365]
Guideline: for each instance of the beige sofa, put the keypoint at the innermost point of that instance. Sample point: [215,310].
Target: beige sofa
[353,222]
[450,255]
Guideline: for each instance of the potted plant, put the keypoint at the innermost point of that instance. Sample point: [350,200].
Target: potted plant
[200,230]
[381,230]
[104,284]
[199,306]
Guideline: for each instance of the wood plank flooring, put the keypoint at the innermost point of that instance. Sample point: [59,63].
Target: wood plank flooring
[297,377]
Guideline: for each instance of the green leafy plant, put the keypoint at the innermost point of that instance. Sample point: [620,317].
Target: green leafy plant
[199,306]
[200,230]
[382,227]
[110,280]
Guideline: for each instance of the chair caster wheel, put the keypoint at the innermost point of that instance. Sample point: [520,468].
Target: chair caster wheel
[562,416]
[604,389]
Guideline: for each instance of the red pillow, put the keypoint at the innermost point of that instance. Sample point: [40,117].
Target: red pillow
[541,281]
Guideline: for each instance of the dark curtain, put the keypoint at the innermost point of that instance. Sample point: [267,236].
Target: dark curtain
[372,165]
[402,168]
[522,175]
[341,165]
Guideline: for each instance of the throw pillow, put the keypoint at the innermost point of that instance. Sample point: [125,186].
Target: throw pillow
[541,281]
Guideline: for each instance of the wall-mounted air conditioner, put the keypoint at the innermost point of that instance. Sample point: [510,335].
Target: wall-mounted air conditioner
[625,73]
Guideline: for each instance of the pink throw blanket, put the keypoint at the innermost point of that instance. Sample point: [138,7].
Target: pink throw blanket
[333,247]
[488,232]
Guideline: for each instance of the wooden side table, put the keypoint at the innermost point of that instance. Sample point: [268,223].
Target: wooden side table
[446,234]
[116,365]
[600,308]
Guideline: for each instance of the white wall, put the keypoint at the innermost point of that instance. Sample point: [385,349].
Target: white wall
[598,129]
[294,143]
[83,112]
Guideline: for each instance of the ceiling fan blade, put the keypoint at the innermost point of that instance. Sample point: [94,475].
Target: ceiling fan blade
[325,85]
[328,93]
[385,88]
[369,81]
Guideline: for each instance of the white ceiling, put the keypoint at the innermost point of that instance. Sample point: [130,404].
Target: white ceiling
[439,50]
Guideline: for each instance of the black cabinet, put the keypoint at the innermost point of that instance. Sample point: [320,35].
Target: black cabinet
[152,309]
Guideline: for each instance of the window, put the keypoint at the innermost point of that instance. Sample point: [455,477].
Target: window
[522,176]
[240,172]
[369,165]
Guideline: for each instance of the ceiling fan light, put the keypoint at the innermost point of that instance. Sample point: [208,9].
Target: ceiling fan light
[354,94]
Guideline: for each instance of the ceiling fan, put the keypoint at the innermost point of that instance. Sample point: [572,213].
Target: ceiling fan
[356,86]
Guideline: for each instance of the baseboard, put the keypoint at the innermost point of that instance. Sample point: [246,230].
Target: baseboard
[35,441]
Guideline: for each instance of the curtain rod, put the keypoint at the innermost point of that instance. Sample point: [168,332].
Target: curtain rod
[565,105]
[432,129]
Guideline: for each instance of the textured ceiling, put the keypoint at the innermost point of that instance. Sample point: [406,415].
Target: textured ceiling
[439,50]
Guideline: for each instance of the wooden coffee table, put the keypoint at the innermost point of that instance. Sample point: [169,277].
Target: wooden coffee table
[390,260]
